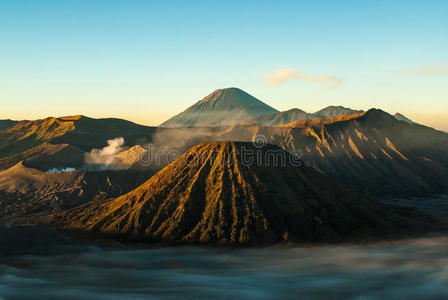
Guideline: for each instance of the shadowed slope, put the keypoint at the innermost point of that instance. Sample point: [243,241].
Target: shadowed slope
[6,124]
[27,193]
[65,157]
[43,150]
[93,133]
[211,194]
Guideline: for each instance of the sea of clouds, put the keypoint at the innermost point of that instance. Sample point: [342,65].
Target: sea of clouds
[411,269]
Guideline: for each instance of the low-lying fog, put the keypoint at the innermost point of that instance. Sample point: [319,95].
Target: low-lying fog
[408,269]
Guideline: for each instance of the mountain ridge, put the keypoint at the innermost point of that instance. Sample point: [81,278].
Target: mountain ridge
[232,106]
[401,117]
[6,124]
[372,153]
[79,131]
[334,111]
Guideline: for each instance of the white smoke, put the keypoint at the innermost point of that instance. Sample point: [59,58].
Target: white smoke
[105,156]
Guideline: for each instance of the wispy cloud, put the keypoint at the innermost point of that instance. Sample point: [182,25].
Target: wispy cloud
[431,70]
[281,76]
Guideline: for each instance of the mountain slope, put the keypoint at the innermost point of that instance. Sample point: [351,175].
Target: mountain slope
[27,134]
[43,149]
[79,131]
[129,157]
[233,106]
[66,156]
[213,195]
[5,124]
[280,118]
[400,117]
[30,193]
[222,107]
[298,115]
[334,111]
[371,152]
[322,121]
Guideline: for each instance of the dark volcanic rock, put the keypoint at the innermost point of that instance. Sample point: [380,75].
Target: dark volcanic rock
[213,194]
[29,195]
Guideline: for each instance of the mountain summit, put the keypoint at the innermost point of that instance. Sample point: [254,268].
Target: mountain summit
[222,107]
[334,111]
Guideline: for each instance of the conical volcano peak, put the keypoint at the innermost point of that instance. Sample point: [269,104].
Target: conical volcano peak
[222,107]
[230,96]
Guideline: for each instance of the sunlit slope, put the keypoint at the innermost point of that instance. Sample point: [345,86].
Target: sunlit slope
[27,134]
[79,131]
[212,195]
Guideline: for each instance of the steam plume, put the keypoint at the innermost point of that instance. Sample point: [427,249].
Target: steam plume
[105,156]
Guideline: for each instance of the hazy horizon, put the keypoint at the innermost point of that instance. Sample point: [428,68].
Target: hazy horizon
[148,61]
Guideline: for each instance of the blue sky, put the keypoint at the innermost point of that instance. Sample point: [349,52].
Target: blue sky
[148,60]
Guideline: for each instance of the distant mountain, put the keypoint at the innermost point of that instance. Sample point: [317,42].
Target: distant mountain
[79,131]
[280,118]
[212,195]
[222,107]
[27,134]
[371,152]
[334,111]
[297,115]
[233,106]
[322,121]
[5,124]
[400,117]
